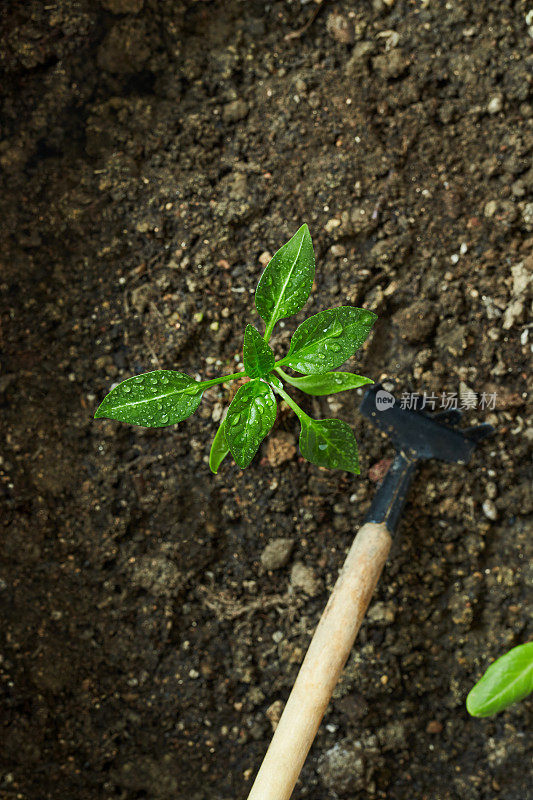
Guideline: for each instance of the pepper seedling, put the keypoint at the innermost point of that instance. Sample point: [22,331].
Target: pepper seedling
[318,346]
[508,680]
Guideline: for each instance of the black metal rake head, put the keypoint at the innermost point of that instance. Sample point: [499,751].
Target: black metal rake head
[418,435]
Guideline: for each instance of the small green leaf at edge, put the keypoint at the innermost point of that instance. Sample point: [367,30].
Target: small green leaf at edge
[327,339]
[329,443]
[287,280]
[219,449]
[152,400]
[508,680]
[251,415]
[258,356]
[328,383]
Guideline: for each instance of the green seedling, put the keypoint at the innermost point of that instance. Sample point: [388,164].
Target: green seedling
[508,680]
[318,346]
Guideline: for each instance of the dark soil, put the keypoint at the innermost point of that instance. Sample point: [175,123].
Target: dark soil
[150,154]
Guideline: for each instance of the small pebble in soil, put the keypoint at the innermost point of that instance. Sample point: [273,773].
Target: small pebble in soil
[342,768]
[527,216]
[218,410]
[381,613]
[234,111]
[490,208]
[274,712]
[434,726]
[489,509]
[341,28]
[281,447]
[264,258]
[491,490]
[495,104]
[331,224]
[378,470]
[303,578]
[255,696]
[277,553]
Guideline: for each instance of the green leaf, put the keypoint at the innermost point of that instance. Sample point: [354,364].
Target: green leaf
[152,400]
[286,283]
[329,443]
[327,339]
[219,448]
[251,415]
[258,355]
[506,681]
[328,382]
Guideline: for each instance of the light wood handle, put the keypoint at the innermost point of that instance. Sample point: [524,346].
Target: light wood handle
[323,664]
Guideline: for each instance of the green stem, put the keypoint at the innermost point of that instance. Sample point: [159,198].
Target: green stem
[222,379]
[282,373]
[269,329]
[290,402]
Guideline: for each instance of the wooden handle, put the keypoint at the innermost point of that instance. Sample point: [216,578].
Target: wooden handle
[323,664]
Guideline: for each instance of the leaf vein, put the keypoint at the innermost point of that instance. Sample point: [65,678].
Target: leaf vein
[155,397]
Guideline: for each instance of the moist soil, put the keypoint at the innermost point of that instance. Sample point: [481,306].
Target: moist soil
[152,155]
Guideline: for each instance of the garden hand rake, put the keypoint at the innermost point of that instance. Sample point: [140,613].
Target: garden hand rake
[417,437]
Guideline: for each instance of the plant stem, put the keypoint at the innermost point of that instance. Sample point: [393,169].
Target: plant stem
[221,379]
[269,329]
[282,373]
[290,402]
